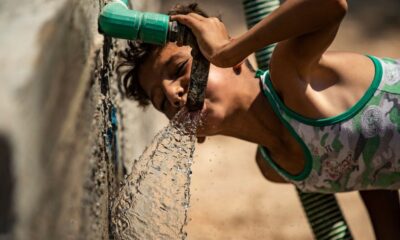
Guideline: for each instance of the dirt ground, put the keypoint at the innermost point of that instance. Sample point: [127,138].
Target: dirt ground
[230,198]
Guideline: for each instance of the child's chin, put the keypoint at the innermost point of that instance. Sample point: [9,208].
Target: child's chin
[209,126]
[210,122]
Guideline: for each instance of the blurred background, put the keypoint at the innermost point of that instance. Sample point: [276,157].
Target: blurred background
[65,130]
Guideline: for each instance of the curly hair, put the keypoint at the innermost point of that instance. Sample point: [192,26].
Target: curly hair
[136,53]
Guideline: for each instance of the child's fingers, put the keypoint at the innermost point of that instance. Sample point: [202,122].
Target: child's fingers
[192,15]
[187,20]
[197,16]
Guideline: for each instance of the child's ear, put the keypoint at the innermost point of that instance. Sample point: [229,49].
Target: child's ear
[238,68]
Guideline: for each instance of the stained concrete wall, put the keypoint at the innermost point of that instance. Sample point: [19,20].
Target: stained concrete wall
[61,155]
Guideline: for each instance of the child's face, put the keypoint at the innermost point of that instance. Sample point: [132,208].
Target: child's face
[165,78]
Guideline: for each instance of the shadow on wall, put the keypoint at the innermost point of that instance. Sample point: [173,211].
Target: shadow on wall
[6,187]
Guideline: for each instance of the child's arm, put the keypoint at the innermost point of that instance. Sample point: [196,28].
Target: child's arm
[310,25]
[384,211]
[267,171]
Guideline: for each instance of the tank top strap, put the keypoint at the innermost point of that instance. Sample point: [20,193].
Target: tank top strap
[290,124]
[271,94]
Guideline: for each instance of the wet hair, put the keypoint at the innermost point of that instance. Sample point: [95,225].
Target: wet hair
[136,53]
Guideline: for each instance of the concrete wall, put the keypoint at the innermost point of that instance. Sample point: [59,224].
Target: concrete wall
[60,158]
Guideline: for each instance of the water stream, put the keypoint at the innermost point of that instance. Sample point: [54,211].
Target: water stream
[154,199]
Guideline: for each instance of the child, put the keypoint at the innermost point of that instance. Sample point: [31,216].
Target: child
[327,121]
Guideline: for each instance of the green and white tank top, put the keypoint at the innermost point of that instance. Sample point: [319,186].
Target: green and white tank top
[356,150]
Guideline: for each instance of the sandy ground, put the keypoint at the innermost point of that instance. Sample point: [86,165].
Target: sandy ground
[230,198]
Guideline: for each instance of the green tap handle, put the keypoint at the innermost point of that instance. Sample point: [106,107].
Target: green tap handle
[117,20]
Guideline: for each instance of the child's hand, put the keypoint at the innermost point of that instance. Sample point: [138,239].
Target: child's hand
[212,38]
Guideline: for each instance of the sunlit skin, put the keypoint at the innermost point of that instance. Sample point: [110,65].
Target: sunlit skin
[310,80]
[235,106]
[167,84]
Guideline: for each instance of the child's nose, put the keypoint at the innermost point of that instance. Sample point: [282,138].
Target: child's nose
[180,101]
[177,97]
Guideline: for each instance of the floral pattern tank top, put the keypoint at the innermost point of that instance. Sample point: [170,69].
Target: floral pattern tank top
[356,150]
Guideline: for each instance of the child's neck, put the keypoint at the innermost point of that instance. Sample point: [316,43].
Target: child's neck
[255,120]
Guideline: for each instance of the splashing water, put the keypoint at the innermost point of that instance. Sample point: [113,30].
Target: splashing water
[154,199]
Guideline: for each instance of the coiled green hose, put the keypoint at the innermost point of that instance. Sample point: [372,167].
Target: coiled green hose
[255,11]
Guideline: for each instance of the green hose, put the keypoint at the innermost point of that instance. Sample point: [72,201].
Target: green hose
[126,2]
[255,11]
[324,215]
[322,210]
[118,21]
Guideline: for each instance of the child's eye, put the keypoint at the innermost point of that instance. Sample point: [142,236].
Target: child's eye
[180,68]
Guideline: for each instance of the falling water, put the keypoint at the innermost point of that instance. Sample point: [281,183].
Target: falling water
[154,199]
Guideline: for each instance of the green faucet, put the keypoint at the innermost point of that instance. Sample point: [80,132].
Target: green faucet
[117,20]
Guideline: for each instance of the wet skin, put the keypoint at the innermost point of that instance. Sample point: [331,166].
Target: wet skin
[234,105]
[165,78]
[234,100]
